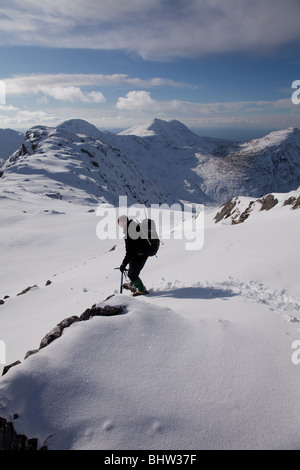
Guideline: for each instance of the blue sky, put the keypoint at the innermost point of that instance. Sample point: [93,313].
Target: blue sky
[222,67]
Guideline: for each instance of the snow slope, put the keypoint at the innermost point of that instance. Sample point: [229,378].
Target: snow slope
[204,362]
[254,168]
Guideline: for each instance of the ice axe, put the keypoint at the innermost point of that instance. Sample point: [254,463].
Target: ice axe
[121,285]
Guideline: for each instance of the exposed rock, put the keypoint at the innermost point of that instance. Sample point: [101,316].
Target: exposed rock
[244,215]
[26,290]
[54,195]
[296,205]
[108,310]
[68,321]
[268,202]
[87,152]
[226,210]
[290,201]
[55,333]
[29,353]
[10,440]
[6,368]
[110,296]
[237,210]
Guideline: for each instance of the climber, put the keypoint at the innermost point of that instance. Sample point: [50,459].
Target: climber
[135,256]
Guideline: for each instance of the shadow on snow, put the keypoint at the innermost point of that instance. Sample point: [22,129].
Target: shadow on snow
[194,293]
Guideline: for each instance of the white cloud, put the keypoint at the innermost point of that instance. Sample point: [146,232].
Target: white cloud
[36,83]
[58,86]
[268,114]
[72,94]
[135,100]
[24,119]
[4,107]
[194,115]
[155,29]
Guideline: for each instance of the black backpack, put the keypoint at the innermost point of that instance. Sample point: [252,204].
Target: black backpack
[149,237]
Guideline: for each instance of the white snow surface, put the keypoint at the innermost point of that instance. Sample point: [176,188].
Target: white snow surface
[203,362]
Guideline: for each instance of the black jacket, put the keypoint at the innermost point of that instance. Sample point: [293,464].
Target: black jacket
[134,245]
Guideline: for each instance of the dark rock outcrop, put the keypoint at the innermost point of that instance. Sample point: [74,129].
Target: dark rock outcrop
[57,331]
[10,440]
[26,290]
[6,368]
[268,202]
[232,208]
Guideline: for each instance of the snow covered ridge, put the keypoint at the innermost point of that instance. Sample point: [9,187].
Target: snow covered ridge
[157,161]
[74,162]
[239,209]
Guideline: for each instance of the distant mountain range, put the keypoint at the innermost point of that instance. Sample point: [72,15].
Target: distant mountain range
[155,162]
[10,141]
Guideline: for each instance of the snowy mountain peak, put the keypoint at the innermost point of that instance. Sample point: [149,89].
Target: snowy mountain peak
[173,132]
[72,162]
[80,127]
[275,138]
